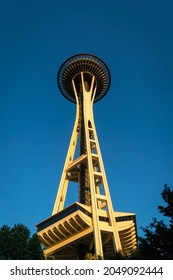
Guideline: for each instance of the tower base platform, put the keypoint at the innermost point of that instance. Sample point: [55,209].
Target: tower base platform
[69,233]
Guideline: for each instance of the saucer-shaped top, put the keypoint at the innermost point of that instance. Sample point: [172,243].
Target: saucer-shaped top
[85,63]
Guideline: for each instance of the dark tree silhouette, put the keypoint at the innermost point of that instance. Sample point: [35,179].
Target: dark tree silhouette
[17,244]
[34,248]
[157,244]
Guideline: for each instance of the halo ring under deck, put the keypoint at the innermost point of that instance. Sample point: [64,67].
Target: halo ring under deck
[86,63]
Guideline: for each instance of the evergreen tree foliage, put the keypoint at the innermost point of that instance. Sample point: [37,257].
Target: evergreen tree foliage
[34,248]
[158,241]
[17,244]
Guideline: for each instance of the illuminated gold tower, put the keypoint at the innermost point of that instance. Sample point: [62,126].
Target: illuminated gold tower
[89,228]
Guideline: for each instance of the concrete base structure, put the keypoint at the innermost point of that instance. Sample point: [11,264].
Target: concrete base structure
[69,234]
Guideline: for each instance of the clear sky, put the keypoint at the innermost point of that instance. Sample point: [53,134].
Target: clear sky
[134,120]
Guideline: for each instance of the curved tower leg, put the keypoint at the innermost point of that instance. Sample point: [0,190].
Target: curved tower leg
[63,185]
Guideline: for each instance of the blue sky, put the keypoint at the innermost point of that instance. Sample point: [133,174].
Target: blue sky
[134,121]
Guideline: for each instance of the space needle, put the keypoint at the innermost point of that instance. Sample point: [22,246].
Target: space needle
[89,228]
